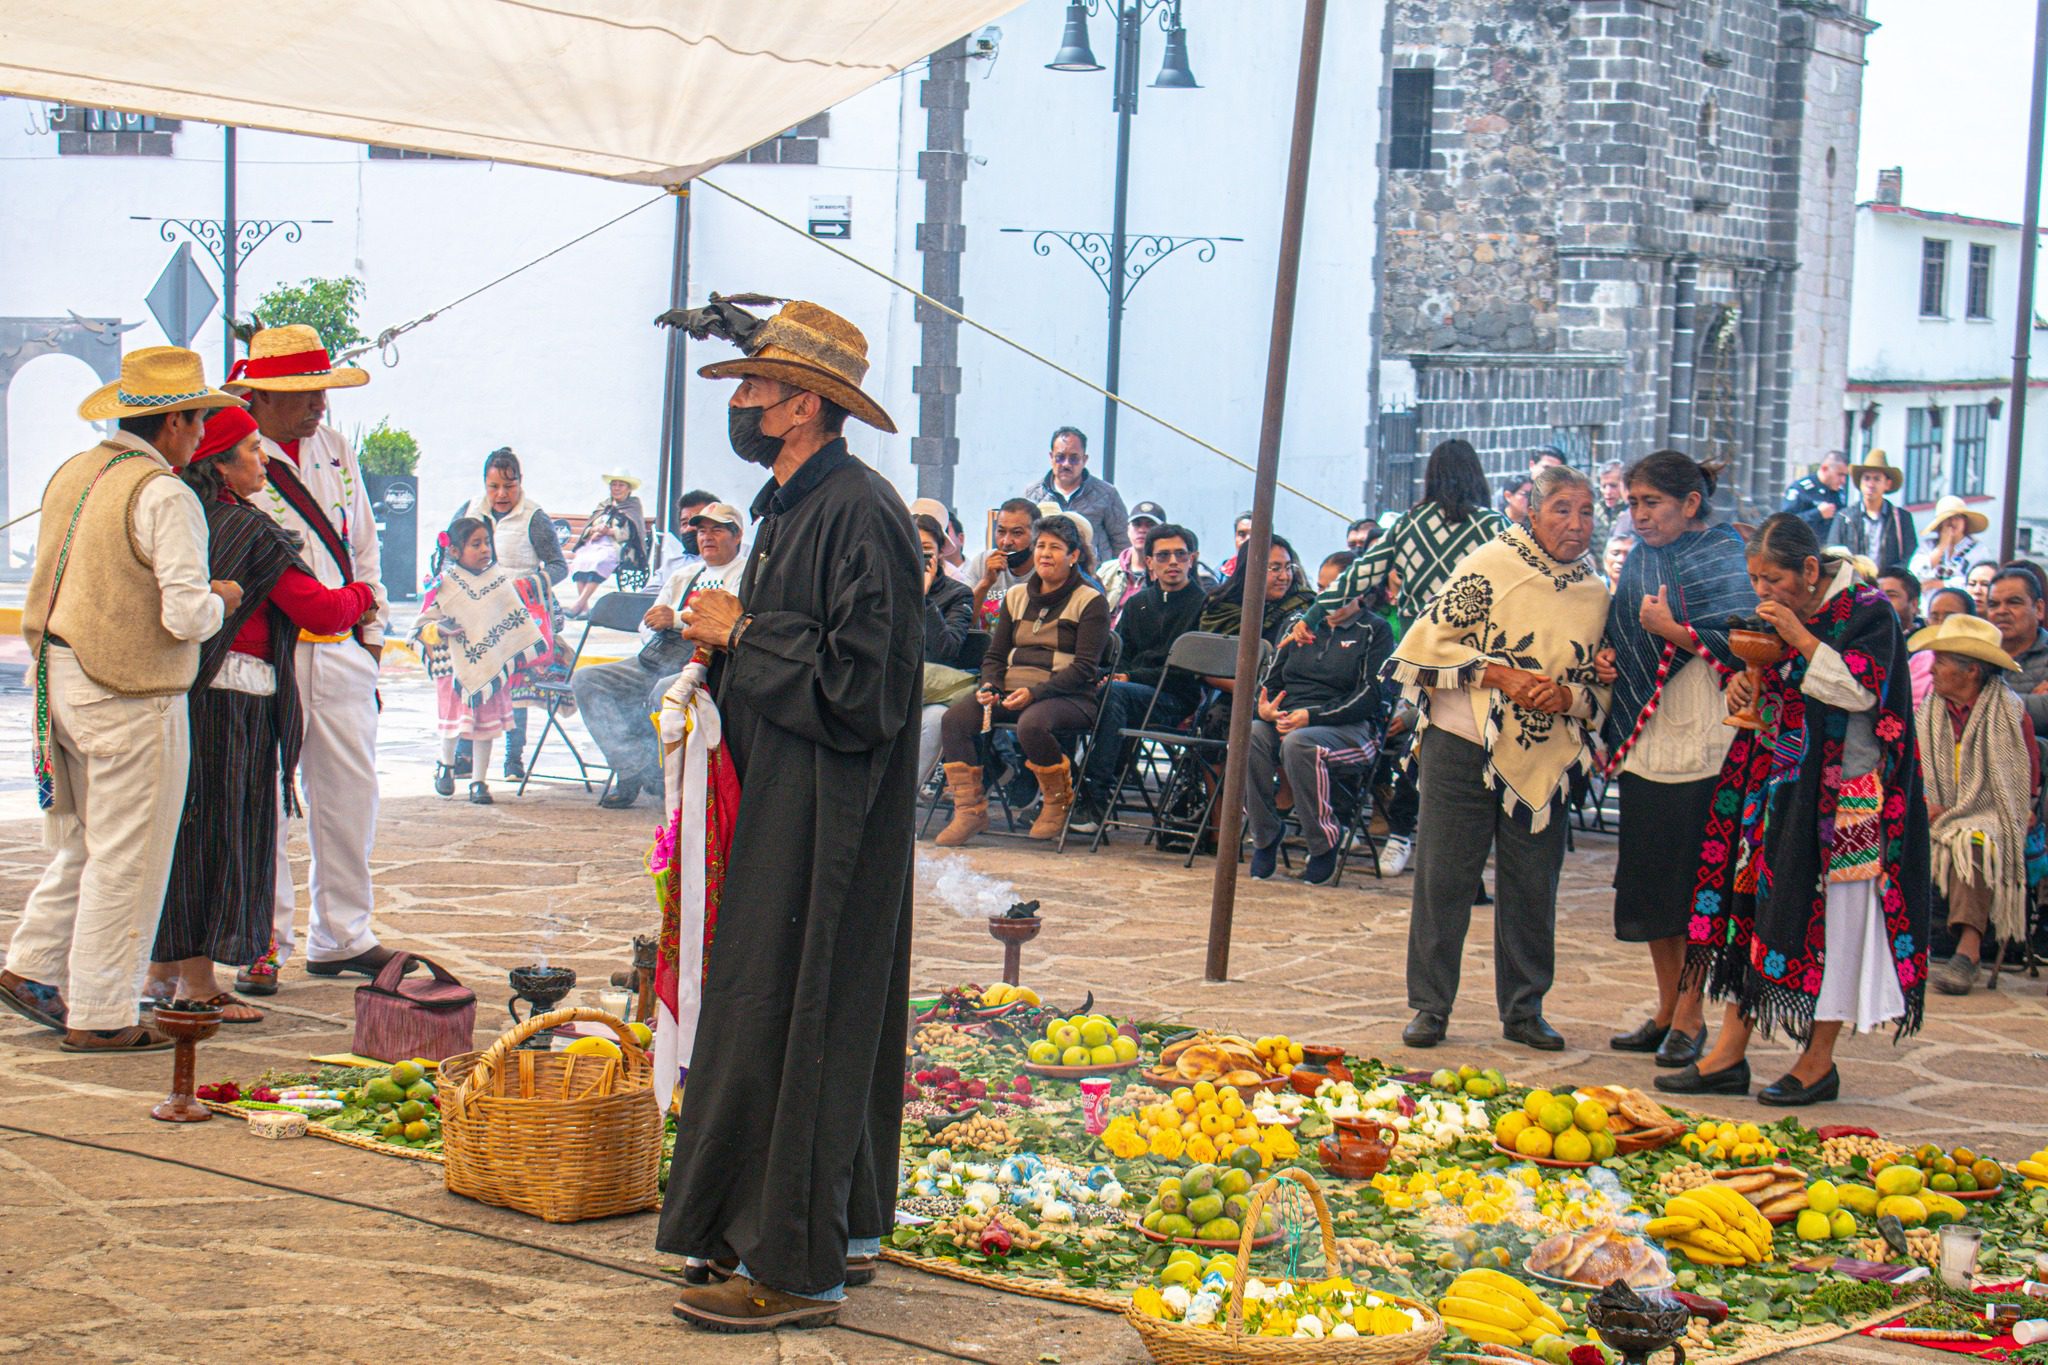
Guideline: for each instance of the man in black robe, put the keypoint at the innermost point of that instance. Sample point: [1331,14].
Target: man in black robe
[784,1179]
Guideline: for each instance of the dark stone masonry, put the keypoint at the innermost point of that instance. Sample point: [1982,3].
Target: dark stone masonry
[1630,228]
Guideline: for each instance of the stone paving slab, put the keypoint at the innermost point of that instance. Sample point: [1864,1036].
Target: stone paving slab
[114,1256]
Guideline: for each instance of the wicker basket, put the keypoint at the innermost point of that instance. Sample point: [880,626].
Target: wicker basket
[557,1136]
[1175,1343]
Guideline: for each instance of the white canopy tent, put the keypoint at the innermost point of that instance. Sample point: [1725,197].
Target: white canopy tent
[653,91]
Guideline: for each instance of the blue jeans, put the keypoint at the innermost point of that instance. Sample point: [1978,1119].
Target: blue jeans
[855,1246]
[1123,704]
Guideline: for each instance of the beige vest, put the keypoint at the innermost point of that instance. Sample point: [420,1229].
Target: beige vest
[109,608]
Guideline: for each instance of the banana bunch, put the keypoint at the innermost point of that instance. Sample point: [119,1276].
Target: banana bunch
[2035,1169]
[1713,1225]
[1498,1310]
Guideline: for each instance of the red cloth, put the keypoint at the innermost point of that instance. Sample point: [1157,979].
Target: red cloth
[309,606]
[224,430]
[1994,1347]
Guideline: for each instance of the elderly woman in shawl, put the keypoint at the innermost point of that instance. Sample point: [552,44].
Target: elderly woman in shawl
[1811,904]
[1667,733]
[1503,664]
[1983,772]
[246,727]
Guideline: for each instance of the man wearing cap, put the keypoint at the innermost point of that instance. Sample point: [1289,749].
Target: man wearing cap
[117,604]
[785,1165]
[617,699]
[1071,488]
[1876,528]
[1124,576]
[1815,498]
[318,494]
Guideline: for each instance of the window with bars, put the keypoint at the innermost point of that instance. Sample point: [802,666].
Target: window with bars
[1967,455]
[1923,454]
[1414,110]
[1977,289]
[1933,277]
[110,132]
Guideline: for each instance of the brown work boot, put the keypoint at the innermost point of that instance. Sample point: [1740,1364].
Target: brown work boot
[743,1305]
[1055,798]
[970,805]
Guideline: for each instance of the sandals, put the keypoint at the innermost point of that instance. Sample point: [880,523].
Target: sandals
[134,1038]
[35,1002]
[226,1002]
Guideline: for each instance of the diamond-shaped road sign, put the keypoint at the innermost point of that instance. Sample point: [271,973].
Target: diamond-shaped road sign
[182,298]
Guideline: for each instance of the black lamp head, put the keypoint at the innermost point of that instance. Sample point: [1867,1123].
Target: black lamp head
[1075,54]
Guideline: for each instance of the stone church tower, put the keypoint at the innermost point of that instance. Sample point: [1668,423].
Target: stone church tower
[1623,225]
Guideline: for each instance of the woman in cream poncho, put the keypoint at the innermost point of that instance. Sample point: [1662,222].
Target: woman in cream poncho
[1503,664]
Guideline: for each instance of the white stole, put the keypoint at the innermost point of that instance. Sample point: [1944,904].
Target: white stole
[689,728]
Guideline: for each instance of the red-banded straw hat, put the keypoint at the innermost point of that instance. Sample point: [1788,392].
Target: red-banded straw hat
[291,358]
[155,379]
[813,349]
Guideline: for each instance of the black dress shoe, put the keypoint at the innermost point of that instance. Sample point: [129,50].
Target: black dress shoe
[1682,1049]
[1533,1032]
[1646,1037]
[1425,1030]
[1483,898]
[1733,1080]
[1787,1093]
[444,780]
[621,796]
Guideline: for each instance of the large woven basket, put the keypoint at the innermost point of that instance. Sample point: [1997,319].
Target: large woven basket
[1175,1343]
[561,1137]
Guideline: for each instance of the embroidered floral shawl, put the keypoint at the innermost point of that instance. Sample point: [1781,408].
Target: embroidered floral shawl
[1764,945]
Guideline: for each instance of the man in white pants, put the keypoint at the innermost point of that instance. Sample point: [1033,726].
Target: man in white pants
[317,492]
[117,605]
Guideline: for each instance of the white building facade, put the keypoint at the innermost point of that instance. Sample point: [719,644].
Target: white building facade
[1930,362]
[563,364]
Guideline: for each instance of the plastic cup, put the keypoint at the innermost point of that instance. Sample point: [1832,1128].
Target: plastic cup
[1094,1103]
[1959,1248]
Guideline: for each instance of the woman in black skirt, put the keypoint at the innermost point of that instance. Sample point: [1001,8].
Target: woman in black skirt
[245,727]
[1666,731]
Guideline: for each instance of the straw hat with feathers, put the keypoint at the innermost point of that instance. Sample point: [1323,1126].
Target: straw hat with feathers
[803,345]
[155,379]
[1970,636]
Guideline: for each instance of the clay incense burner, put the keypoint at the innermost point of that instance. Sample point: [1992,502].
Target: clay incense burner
[185,1022]
[1761,649]
[1360,1148]
[1014,928]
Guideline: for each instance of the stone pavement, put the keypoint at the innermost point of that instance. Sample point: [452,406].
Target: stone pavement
[134,1240]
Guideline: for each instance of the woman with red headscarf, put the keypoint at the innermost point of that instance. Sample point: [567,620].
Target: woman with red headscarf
[246,727]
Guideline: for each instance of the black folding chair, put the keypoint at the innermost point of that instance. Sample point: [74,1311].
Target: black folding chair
[613,611]
[1205,654]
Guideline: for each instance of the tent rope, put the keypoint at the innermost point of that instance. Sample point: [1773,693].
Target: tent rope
[986,330]
[384,344]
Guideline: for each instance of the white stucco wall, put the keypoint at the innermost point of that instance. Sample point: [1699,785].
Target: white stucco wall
[1901,360]
[564,365]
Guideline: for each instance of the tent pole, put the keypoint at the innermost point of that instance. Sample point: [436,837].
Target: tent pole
[229,231]
[2023,320]
[668,479]
[1252,558]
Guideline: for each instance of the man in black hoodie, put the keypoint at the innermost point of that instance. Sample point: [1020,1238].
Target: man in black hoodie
[1167,608]
[1320,705]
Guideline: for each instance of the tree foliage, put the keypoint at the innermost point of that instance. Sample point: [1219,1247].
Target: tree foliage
[388,450]
[327,306]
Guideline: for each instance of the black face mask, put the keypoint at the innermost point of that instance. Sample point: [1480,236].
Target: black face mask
[689,539]
[1018,560]
[749,442]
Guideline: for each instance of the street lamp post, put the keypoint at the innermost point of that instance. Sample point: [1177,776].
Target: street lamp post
[1075,54]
